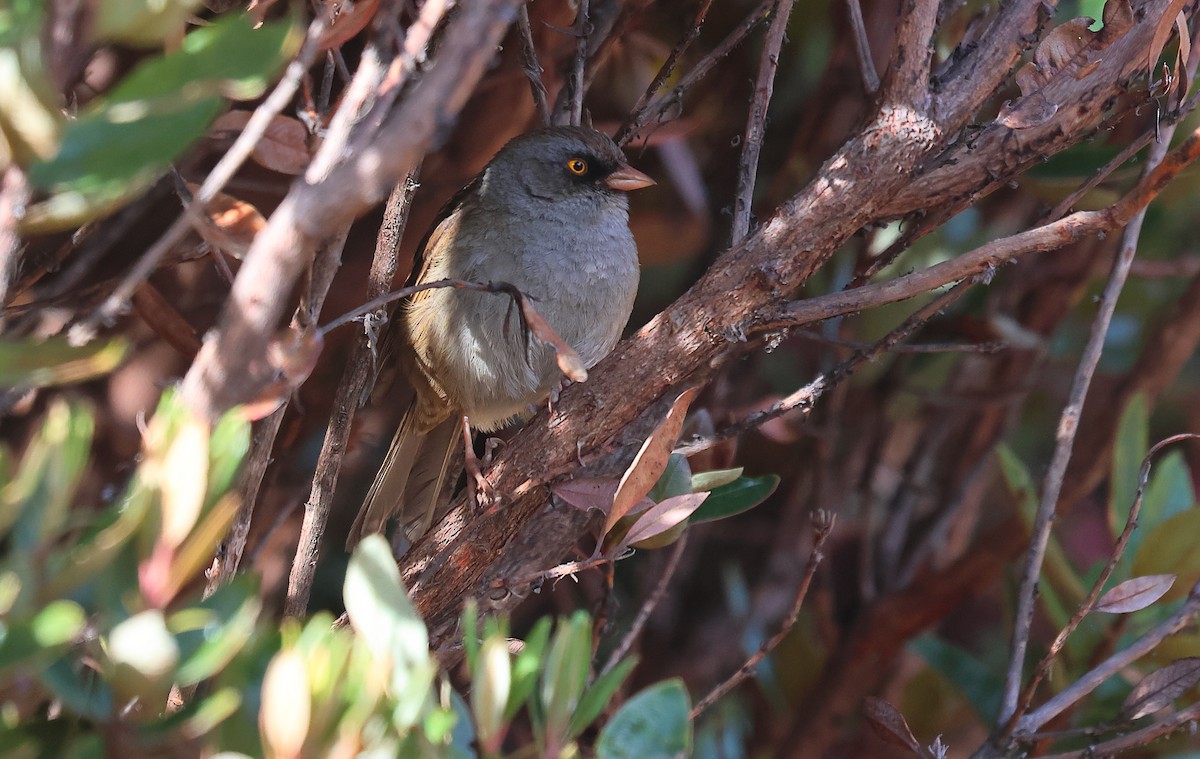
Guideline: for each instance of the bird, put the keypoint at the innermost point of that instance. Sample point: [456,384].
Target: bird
[548,215]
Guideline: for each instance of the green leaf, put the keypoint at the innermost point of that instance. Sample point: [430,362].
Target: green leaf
[565,674]
[977,682]
[490,687]
[82,690]
[384,618]
[54,361]
[123,142]
[654,724]
[527,666]
[30,642]
[142,23]
[599,694]
[1170,548]
[227,450]
[737,497]
[470,635]
[1132,442]
[1169,492]
[205,651]
[40,496]
[1058,567]
[676,479]
[708,481]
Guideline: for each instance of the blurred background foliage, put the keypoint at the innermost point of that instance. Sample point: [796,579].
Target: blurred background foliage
[111,500]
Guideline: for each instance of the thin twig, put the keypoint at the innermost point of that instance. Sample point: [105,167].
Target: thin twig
[756,121]
[648,606]
[986,257]
[1180,720]
[229,554]
[533,69]
[350,388]
[1114,558]
[1064,444]
[823,523]
[630,126]
[807,396]
[233,159]
[582,32]
[1184,616]
[1129,151]
[862,48]
[657,107]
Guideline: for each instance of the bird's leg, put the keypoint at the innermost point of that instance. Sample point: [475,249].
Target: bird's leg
[479,489]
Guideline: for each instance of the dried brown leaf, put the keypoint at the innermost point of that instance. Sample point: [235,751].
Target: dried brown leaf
[283,146]
[228,224]
[1027,112]
[294,354]
[1162,32]
[569,362]
[651,460]
[1158,689]
[1118,19]
[1135,594]
[588,493]
[890,725]
[1183,54]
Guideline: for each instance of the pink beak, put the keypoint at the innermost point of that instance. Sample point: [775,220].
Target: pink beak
[628,178]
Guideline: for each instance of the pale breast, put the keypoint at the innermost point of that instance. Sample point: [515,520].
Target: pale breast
[581,280]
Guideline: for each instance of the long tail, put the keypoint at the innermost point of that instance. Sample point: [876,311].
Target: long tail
[411,480]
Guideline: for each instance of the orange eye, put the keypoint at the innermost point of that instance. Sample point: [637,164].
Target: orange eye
[577,166]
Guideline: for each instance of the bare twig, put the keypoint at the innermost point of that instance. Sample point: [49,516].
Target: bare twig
[756,120]
[657,108]
[350,388]
[533,69]
[1064,444]
[807,396]
[234,157]
[1118,551]
[648,606]
[823,523]
[229,553]
[569,104]
[987,257]
[1184,616]
[632,124]
[1129,151]
[862,48]
[1180,720]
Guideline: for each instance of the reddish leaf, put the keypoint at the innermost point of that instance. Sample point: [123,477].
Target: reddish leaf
[283,146]
[587,494]
[228,224]
[1158,689]
[347,20]
[662,517]
[890,725]
[651,460]
[1134,594]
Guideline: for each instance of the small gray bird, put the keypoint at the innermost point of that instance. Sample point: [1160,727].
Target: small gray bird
[548,215]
